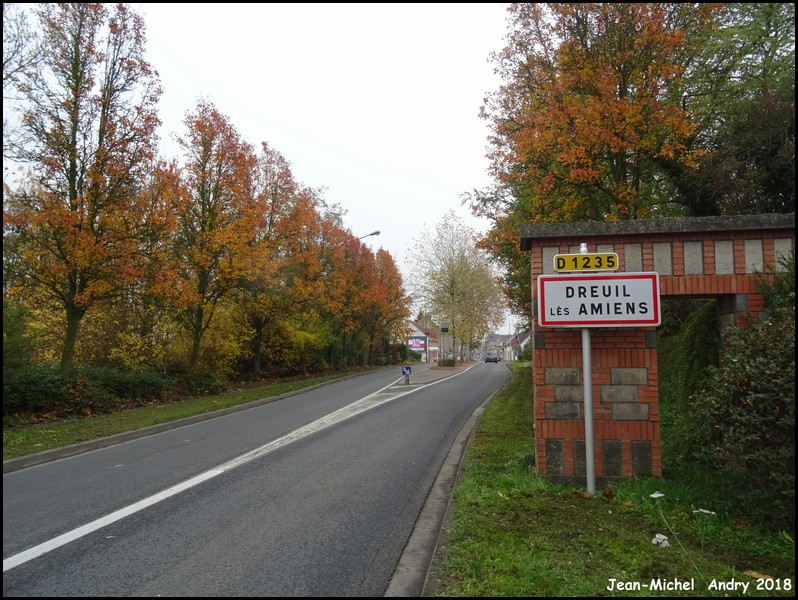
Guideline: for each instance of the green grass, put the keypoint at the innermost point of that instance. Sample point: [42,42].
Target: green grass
[515,534]
[21,441]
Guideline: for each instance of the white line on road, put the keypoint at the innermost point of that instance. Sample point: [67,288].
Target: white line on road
[341,414]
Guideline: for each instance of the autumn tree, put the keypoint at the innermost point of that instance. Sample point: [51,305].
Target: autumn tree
[275,290]
[88,135]
[585,108]
[626,111]
[454,280]
[216,219]
[346,270]
[387,305]
[143,319]
[299,333]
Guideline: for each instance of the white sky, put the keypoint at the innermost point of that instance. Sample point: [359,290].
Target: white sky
[378,104]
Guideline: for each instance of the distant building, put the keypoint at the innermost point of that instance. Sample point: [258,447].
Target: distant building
[507,346]
[425,339]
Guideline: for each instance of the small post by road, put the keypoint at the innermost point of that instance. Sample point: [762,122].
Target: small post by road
[406,373]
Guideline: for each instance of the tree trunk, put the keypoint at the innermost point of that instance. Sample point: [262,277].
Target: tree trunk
[74,315]
[197,338]
[257,348]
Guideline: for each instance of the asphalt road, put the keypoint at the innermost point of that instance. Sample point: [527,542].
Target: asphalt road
[337,491]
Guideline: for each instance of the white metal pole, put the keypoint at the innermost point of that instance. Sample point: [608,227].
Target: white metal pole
[587,374]
[587,377]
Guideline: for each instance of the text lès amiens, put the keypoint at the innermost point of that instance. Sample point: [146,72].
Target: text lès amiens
[612,304]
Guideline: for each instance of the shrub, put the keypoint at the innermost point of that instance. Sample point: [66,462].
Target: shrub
[526,354]
[37,389]
[413,356]
[44,392]
[687,349]
[198,382]
[744,418]
[130,385]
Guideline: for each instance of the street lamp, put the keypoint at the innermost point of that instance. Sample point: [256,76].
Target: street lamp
[369,234]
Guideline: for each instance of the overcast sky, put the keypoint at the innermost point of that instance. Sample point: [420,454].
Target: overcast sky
[378,104]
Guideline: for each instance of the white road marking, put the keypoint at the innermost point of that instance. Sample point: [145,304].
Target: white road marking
[341,414]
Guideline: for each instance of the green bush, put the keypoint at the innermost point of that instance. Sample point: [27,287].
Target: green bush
[130,385]
[37,389]
[730,423]
[44,392]
[687,350]
[779,290]
[17,344]
[196,383]
[744,419]
[413,356]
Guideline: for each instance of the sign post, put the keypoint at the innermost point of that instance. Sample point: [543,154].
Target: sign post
[595,300]
[406,373]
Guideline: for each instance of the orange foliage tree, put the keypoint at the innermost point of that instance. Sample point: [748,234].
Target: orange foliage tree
[591,100]
[273,289]
[387,305]
[88,137]
[216,214]
[342,271]
[589,103]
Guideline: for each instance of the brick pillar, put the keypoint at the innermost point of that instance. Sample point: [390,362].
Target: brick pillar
[625,404]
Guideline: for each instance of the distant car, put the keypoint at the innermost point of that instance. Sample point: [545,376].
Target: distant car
[491,357]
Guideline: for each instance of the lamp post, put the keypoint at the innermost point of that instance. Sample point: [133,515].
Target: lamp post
[369,234]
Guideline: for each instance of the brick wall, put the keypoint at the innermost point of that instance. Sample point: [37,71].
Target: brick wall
[712,257]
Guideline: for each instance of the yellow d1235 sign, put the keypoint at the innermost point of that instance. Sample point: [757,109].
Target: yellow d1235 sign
[607,261]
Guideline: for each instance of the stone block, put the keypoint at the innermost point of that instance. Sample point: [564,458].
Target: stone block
[619,393]
[693,258]
[580,458]
[613,458]
[555,457]
[630,412]
[563,376]
[663,258]
[569,393]
[563,410]
[724,257]
[641,459]
[629,376]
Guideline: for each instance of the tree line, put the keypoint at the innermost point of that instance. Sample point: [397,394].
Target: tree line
[113,255]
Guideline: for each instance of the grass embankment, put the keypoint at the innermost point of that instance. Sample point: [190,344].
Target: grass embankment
[515,534]
[21,441]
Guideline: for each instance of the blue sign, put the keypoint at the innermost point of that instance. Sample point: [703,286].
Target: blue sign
[405,370]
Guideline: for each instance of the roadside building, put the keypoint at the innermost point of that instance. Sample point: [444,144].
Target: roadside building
[424,339]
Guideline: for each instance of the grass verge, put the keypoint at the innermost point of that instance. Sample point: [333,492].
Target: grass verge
[21,441]
[515,534]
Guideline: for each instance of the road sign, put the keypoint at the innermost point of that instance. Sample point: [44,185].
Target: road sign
[405,370]
[599,300]
[607,261]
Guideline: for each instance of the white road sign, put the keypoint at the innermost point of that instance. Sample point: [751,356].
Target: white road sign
[599,300]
